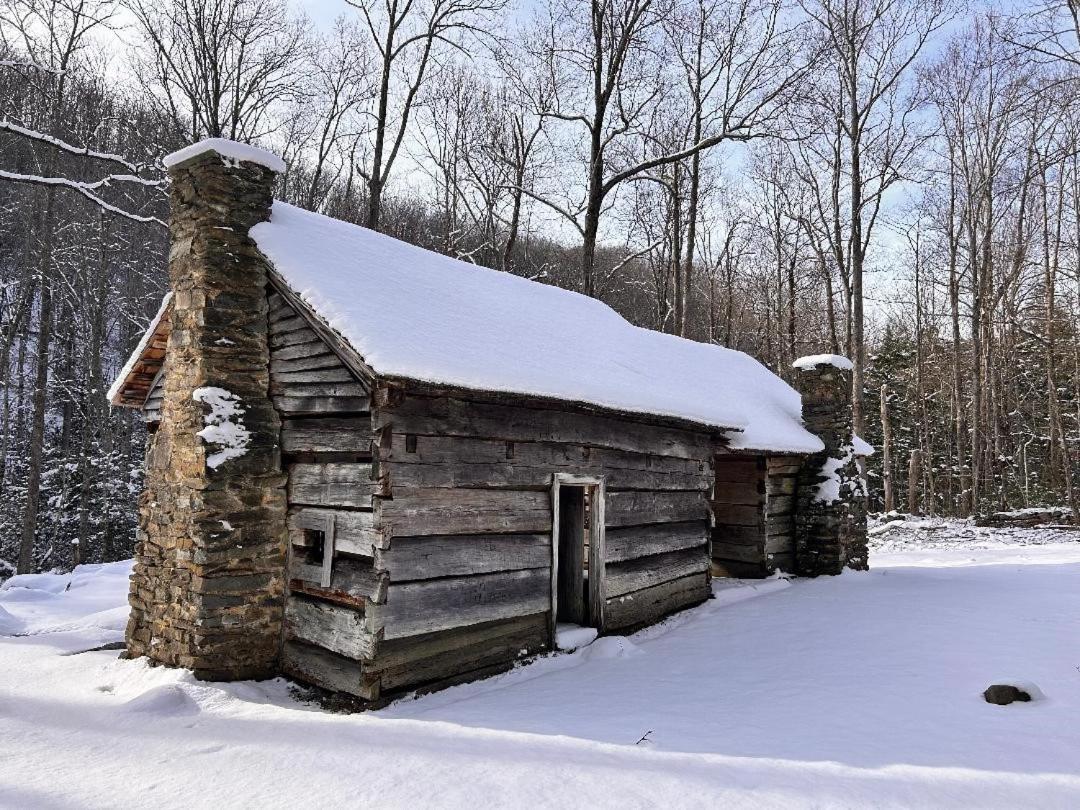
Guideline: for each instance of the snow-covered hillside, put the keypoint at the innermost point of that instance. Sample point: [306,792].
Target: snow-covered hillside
[856,691]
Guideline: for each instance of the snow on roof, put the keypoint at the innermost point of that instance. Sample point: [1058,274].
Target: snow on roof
[815,360]
[227,149]
[113,394]
[419,315]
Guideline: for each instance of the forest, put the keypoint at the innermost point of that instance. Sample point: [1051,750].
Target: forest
[897,181]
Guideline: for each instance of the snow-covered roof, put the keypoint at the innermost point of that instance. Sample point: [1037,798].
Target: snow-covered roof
[418,315]
[815,360]
[116,393]
[230,150]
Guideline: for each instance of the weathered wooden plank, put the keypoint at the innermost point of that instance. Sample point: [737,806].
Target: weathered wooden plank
[331,485]
[354,578]
[636,508]
[326,434]
[779,544]
[631,542]
[464,511]
[738,535]
[741,570]
[319,667]
[646,572]
[287,323]
[735,471]
[739,553]
[781,505]
[333,627]
[323,360]
[736,515]
[434,657]
[331,389]
[412,558]
[282,340]
[301,351]
[414,608]
[320,405]
[781,485]
[354,531]
[741,493]
[516,475]
[648,605]
[338,374]
[446,416]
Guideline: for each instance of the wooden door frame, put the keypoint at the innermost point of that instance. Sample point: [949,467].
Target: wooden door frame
[597,547]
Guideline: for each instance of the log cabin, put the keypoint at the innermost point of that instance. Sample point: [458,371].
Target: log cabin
[376,469]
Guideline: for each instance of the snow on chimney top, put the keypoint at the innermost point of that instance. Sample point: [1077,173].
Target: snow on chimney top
[229,151]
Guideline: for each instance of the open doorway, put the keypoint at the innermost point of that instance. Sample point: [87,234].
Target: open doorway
[577,593]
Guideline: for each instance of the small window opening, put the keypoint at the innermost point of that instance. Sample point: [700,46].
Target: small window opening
[314,546]
[410,443]
[509,449]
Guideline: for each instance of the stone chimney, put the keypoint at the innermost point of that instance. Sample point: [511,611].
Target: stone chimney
[830,518]
[207,588]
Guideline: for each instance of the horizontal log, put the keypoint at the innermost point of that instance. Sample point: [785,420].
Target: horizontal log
[781,505]
[781,485]
[645,572]
[354,532]
[317,389]
[639,508]
[779,544]
[446,416]
[333,627]
[738,535]
[304,405]
[351,577]
[282,340]
[433,657]
[301,351]
[738,553]
[319,667]
[289,323]
[741,493]
[414,608]
[319,375]
[326,434]
[734,471]
[348,485]
[413,558]
[739,570]
[324,361]
[647,606]
[733,515]
[627,543]
[464,511]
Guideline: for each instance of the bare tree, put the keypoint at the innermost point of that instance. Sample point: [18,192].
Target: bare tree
[222,67]
[607,75]
[409,37]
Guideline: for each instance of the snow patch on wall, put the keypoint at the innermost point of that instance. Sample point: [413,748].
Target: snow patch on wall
[224,424]
[836,486]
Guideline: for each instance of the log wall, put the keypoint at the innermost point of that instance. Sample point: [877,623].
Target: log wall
[463,496]
[326,449]
[754,512]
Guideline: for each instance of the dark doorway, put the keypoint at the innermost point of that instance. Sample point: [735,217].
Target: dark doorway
[573,556]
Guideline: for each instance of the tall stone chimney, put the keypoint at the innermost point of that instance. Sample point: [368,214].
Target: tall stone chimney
[208,584]
[830,518]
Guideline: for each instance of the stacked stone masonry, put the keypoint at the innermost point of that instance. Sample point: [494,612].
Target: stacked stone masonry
[206,592]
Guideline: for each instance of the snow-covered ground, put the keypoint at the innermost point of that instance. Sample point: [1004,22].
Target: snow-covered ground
[856,691]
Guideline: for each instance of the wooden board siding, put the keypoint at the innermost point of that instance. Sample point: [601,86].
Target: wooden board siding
[464,501]
[754,511]
[326,452]
[738,537]
[780,489]
[154,400]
